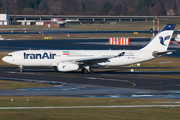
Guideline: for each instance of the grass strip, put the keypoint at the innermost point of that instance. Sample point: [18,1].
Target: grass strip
[93,114]
[40,101]
[7,85]
[159,113]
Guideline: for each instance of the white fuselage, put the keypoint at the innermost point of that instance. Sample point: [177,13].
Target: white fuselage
[52,57]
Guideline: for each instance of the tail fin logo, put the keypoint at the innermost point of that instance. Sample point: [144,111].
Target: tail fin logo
[163,40]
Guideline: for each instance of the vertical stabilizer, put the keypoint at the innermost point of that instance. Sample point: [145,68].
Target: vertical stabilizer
[161,41]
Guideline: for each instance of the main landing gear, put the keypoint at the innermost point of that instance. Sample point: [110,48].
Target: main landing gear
[87,70]
[21,69]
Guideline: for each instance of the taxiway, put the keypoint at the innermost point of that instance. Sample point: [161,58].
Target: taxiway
[104,84]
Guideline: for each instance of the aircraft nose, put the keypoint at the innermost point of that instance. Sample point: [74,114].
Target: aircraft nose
[4,59]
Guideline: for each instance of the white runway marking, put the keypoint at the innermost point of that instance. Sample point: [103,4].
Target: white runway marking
[30,73]
[70,107]
[29,80]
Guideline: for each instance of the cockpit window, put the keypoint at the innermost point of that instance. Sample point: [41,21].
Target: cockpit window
[9,55]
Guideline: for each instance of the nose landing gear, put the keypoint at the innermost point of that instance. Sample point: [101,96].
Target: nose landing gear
[21,69]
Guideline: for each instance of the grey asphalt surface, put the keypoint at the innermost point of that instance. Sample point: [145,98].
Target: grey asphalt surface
[45,31]
[100,84]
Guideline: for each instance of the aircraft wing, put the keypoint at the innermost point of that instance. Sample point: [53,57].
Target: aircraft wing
[92,60]
[95,60]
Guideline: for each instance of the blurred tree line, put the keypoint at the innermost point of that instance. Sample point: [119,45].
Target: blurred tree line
[89,7]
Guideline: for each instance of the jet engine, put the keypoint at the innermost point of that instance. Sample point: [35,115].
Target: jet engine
[67,66]
[177,38]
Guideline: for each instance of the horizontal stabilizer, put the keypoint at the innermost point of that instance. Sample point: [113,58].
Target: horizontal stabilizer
[157,54]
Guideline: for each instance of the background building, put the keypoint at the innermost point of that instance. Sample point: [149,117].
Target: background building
[4,19]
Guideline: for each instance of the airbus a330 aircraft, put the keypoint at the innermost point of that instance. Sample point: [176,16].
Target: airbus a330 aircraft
[71,60]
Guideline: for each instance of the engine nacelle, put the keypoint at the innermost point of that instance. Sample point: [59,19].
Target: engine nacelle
[67,66]
[177,38]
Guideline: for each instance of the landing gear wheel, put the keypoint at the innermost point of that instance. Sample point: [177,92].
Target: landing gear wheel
[83,70]
[91,71]
[55,68]
[21,69]
[86,71]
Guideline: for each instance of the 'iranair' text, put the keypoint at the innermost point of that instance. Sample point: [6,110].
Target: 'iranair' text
[39,56]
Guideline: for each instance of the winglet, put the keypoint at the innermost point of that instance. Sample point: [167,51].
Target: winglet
[122,54]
